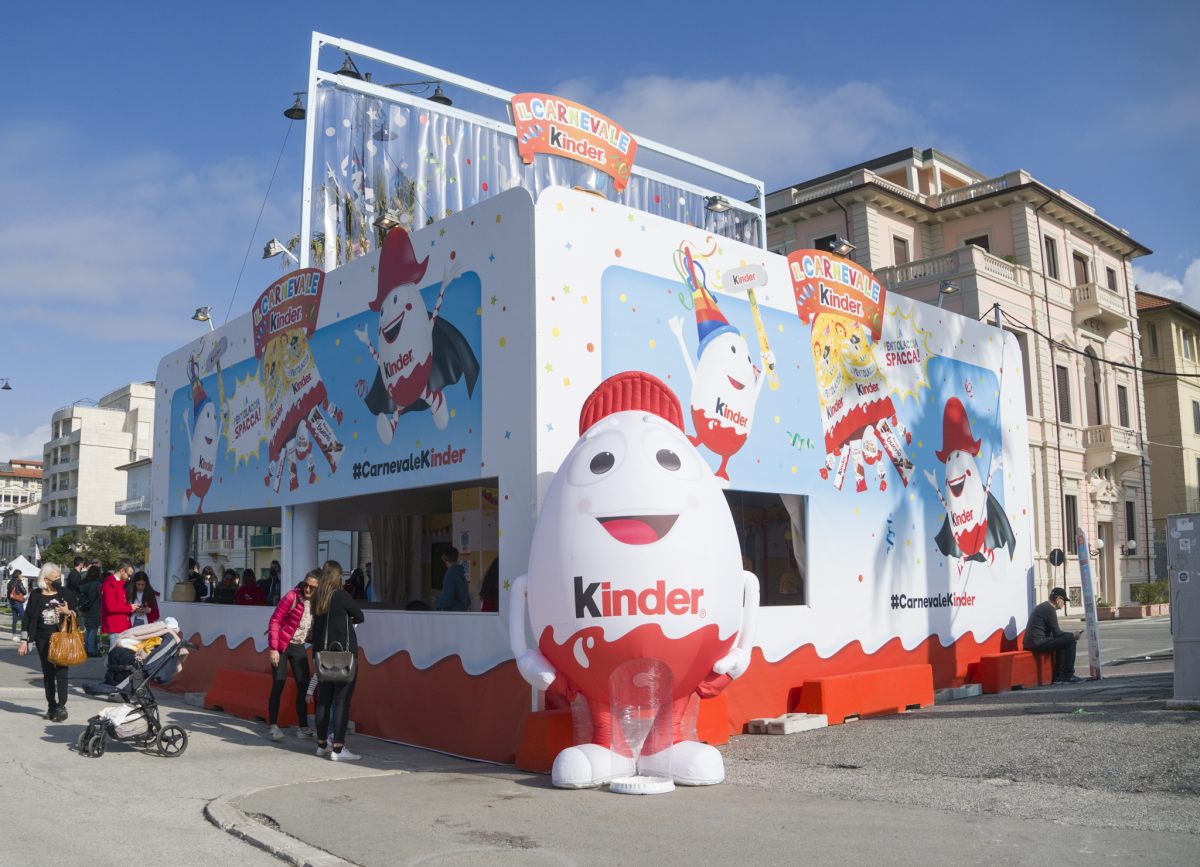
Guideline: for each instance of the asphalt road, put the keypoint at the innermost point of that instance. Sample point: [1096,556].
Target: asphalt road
[1097,772]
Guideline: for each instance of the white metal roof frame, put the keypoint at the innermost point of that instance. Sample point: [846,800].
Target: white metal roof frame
[317,76]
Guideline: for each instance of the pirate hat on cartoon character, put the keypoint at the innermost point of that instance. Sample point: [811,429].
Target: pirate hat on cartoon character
[956,431]
[398,266]
[958,437]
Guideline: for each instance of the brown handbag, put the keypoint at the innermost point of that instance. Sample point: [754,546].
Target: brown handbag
[66,645]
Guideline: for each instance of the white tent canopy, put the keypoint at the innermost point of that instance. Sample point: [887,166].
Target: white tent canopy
[27,568]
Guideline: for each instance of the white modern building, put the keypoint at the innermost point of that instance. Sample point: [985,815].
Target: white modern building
[89,441]
[135,505]
[937,230]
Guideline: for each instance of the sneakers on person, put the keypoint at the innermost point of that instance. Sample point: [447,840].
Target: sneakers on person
[1073,678]
[16,637]
[322,752]
[304,732]
[50,711]
[275,734]
[60,715]
[345,755]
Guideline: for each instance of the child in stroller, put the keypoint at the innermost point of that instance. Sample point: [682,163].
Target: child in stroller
[146,652]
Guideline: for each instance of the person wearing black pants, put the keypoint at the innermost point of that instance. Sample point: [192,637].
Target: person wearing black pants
[47,605]
[295,659]
[287,634]
[336,615]
[1043,635]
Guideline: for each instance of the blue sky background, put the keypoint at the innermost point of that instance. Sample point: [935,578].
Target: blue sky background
[135,157]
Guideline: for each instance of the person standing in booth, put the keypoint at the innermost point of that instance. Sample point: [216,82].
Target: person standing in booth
[454,596]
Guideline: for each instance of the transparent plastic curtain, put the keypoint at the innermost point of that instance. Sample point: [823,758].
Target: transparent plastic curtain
[373,156]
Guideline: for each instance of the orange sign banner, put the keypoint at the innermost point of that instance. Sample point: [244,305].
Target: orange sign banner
[563,128]
[825,283]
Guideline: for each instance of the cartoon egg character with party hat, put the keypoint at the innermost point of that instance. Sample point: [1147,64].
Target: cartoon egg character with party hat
[975,523]
[725,382]
[418,353]
[634,556]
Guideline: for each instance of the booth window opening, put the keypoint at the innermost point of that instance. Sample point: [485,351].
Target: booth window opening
[773,536]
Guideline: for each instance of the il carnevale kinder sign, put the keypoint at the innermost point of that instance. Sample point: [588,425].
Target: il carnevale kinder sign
[562,127]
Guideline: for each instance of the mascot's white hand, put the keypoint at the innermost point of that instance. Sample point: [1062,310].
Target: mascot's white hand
[675,323]
[997,461]
[361,333]
[536,669]
[932,479]
[450,273]
[734,663]
[768,360]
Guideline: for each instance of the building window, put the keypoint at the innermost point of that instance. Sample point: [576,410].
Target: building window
[1196,416]
[1111,275]
[825,242]
[1070,521]
[1064,393]
[1023,346]
[1130,521]
[1051,257]
[1185,338]
[1122,406]
[1081,265]
[1152,335]
[979,241]
[899,250]
[1197,479]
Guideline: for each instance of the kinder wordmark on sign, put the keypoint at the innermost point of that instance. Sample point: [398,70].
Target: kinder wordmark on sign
[562,127]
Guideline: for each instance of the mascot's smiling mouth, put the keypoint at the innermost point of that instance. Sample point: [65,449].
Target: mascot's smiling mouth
[638,529]
[739,386]
[392,329]
[956,485]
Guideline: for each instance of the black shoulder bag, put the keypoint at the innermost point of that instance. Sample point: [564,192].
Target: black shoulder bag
[336,666]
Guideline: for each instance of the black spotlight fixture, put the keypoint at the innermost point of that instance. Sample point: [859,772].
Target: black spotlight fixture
[296,112]
[349,69]
[439,97]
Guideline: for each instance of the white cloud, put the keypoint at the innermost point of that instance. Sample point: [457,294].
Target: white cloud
[770,127]
[1186,289]
[27,444]
[130,242]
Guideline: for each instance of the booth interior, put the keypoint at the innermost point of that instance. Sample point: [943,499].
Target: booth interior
[399,537]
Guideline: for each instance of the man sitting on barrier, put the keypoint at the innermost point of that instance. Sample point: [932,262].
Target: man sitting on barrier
[1043,635]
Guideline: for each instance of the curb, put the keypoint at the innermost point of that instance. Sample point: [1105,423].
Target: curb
[222,813]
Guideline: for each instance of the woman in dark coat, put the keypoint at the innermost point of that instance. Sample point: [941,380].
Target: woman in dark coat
[48,604]
[335,616]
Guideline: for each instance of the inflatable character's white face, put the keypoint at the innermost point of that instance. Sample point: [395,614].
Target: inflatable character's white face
[964,488]
[725,378]
[634,529]
[204,437]
[405,332]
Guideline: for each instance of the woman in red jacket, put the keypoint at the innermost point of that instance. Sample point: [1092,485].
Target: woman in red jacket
[114,606]
[286,635]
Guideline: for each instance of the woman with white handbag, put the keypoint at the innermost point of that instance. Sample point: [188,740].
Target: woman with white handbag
[335,648]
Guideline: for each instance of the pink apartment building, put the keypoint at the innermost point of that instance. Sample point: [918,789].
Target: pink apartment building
[935,229]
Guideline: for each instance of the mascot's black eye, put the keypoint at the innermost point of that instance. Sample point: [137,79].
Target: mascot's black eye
[733,349]
[668,460]
[602,463]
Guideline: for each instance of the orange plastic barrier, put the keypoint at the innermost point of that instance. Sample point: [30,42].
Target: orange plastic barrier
[244,694]
[1016,669]
[867,693]
[547,733]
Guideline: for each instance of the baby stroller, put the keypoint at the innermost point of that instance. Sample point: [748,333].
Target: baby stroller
[136,720]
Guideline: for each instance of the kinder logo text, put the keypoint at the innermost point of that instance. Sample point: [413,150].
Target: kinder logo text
[600,599]
[732,416]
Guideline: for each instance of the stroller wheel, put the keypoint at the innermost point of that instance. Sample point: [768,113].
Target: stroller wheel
[172,741]
[95,746]
[81,744]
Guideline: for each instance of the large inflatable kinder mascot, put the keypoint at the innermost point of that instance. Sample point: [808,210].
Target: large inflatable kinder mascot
[634,557]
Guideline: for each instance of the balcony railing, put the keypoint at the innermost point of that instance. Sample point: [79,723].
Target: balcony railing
[960,262]
[1112,445]
[800,195]
[265,540]
[133,504]
[1098,308]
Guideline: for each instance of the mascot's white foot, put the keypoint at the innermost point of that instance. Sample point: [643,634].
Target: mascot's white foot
[696,764]
[588,765]
[385,427]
